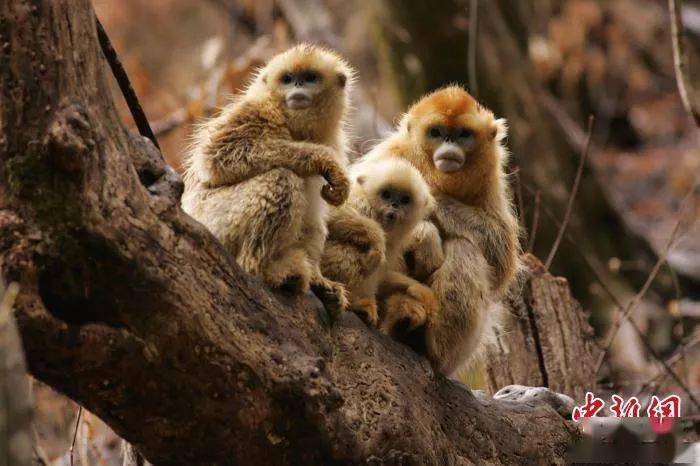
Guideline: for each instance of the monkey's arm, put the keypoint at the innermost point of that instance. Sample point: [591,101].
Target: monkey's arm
[462,287]
[494,230]
[236,160]
[396,282]
[346,225]
[424,253]
[497,233]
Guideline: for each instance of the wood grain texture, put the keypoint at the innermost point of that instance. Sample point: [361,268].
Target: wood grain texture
[546,340]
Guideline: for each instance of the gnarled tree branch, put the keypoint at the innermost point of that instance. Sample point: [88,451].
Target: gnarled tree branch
[135,311]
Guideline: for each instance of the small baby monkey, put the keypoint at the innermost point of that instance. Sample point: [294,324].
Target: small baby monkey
[259,174]
[393,194]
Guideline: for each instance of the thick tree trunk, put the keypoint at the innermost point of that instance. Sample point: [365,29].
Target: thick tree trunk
[135,311]
[546,340]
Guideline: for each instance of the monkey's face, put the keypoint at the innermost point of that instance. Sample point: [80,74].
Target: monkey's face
[393,206]
[449,145]
[308,81]
[300,88]
[452,131]
[454,144]
[397,195]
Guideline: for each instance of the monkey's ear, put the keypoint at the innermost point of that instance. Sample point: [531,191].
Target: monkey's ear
[361,180]
[500,130]
[342,79]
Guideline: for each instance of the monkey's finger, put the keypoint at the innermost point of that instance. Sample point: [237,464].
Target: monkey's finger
[332,195]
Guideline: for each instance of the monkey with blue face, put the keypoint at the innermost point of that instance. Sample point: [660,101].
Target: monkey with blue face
[457,146]
[261,173]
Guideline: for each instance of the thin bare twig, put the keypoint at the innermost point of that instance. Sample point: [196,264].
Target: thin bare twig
[666,366]
[673,359]
[75,433]
[473,36]
[535,222]
[634,302]
[680,61]
[572,196]
[122,78]
[590,263]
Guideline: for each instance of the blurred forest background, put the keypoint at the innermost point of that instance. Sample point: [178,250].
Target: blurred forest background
[545,65]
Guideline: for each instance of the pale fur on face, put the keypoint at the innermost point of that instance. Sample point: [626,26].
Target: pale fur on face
[331,101]
[372,177]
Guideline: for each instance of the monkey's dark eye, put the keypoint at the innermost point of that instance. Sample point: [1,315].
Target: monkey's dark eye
[286,78]
[386,194]
[434,132]
[465,133]
[311,77]
[405,199]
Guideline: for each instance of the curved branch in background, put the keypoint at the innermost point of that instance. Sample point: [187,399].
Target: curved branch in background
[572,195]
[127,89]
[136,312]
[680,61]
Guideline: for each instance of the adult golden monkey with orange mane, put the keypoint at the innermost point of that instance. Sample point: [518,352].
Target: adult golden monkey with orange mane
[457,145]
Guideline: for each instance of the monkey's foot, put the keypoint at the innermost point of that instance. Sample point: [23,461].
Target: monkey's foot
[366,309]
[403,312]
[290,274]
[332,294]
[425,296]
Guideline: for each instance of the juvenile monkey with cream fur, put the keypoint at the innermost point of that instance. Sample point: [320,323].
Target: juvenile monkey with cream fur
[391,194]
[259,174]
[457,145]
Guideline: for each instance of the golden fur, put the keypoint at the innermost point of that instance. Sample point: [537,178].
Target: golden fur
[474,216]
[256,174]
[363,272]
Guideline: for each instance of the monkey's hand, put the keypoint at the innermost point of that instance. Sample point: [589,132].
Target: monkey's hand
[346,225]
[424,253]
[338,187]
[324,163]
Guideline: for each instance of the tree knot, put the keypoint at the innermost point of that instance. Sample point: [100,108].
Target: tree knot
[69,138]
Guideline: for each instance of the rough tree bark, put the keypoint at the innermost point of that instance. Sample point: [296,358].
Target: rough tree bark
[132,309]
[547,341]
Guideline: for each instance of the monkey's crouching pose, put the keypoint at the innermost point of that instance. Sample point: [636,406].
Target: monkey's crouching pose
[456,144]
[259,175]
[392,198]
[354,253]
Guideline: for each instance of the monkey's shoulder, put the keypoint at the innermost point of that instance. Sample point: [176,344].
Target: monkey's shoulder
[248,119]
[454,218]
